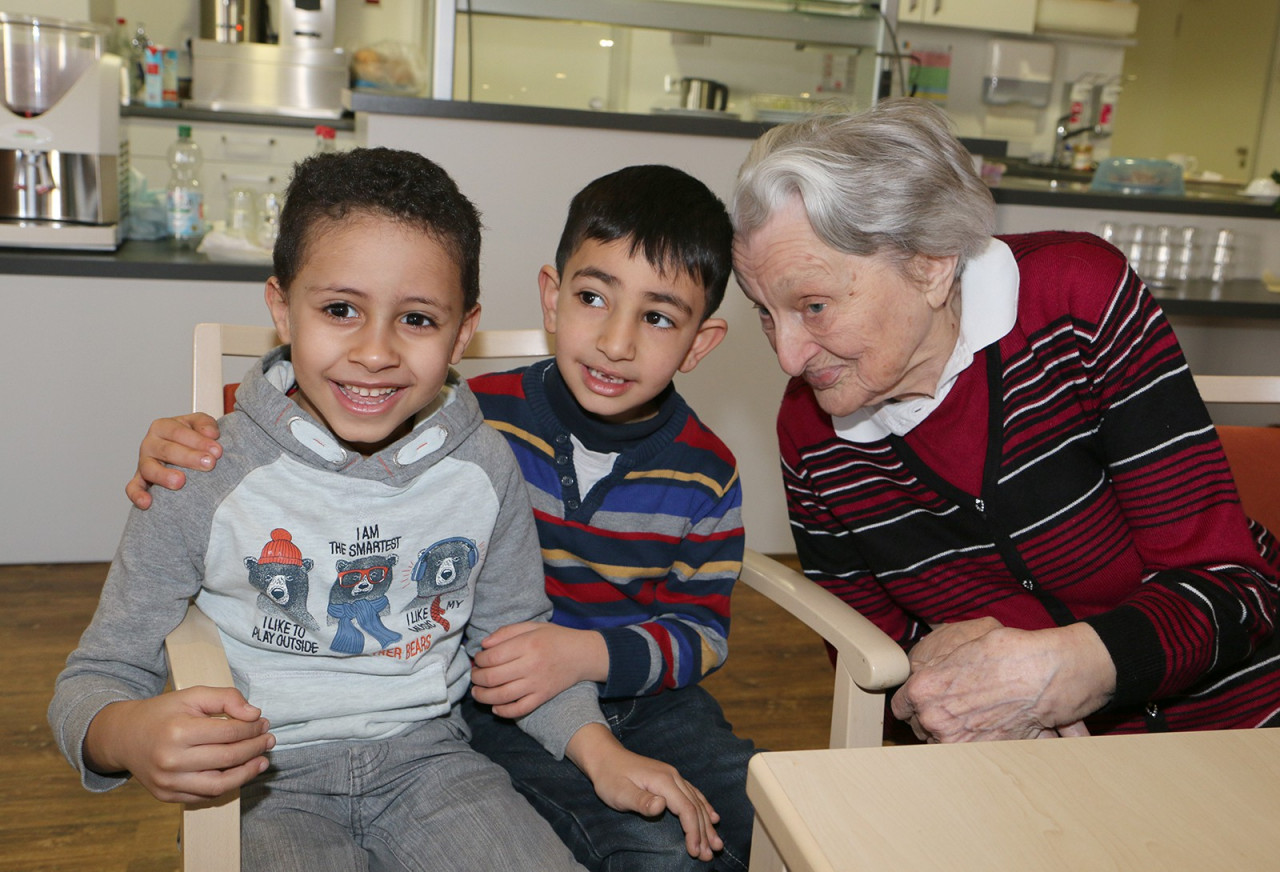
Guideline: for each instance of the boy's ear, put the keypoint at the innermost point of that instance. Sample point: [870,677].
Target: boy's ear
[711,333]
[278,305]
[466,330]
[549,292]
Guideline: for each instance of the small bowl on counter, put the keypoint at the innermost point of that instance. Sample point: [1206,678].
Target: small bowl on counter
[1131,175]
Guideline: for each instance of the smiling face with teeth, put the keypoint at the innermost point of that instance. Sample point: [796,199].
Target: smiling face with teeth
[623,328]
[375,317]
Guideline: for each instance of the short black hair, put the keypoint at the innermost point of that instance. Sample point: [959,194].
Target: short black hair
[666,213]
[400,185]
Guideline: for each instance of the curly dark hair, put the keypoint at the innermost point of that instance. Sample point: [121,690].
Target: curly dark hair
[667,214]
[400,185]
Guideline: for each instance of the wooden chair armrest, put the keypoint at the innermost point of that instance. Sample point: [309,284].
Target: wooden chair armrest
[210,830]
[868,662]
[195,652]
[878,662]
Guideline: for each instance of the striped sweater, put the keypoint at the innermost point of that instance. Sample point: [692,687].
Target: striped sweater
[649,556]
[1072,473]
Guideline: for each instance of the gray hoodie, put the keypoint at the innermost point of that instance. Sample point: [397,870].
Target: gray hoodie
[349,591]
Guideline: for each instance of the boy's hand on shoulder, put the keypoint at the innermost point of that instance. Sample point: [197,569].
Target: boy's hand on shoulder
[188,441]
[185,746]
[521,666]
[627,781]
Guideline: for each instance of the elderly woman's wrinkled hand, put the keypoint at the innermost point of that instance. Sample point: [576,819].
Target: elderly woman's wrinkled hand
[1001,683]
[945,638]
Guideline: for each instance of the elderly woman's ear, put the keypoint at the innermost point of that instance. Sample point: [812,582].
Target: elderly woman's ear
[936,276]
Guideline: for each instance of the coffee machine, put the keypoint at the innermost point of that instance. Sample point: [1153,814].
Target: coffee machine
[307,23]
[303,75]
[63,163]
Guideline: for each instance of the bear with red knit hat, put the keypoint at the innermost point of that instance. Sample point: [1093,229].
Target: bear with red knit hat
[280,574]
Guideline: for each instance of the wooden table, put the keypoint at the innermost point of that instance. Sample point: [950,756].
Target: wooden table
[1172,801]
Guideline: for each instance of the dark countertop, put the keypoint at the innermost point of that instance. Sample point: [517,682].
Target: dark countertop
[1025,191]
[187,113]
[700,123]
[133,260]
[1238,298]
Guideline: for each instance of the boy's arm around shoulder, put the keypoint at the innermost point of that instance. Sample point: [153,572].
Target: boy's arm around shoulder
[511,589]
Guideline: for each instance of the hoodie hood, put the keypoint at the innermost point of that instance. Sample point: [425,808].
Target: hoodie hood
[438,429]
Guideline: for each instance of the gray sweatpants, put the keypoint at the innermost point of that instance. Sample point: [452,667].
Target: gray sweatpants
[421,801]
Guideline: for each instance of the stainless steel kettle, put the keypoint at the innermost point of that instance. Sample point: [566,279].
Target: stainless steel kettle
[703,94]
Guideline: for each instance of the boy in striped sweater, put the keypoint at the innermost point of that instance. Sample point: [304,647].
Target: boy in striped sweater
[638,509]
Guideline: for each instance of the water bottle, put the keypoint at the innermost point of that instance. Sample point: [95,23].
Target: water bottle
[184,199]
[118,43]
[326,139]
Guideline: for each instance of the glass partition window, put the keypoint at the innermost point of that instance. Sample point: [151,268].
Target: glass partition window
[760,60]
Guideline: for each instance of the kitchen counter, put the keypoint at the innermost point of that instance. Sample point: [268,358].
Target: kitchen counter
[1014,189]
[187,113]
[1073,194]
[700,123]
[1238,298]
[133,260]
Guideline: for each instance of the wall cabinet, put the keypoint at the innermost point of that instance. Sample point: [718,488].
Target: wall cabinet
[254,156]
[1013,16]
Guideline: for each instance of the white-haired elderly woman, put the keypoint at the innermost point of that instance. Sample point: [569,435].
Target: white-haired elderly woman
[993,448]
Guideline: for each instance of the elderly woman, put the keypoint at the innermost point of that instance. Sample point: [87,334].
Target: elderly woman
[993,448]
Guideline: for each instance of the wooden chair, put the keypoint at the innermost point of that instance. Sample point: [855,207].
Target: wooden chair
[210,835]
[1252,452]
[868,662]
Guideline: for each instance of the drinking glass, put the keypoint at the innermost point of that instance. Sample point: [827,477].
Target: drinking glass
[268,219]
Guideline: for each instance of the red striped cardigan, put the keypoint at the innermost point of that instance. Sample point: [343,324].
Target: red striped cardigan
[1072,473]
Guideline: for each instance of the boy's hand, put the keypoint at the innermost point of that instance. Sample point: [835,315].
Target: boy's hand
[523,665]
[189,441]
[626,781]
[185,746]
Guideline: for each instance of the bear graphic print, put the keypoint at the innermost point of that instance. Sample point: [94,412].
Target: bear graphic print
[280,575]
[364,593]
[358,597]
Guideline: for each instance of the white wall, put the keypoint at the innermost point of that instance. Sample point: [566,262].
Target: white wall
[98,359]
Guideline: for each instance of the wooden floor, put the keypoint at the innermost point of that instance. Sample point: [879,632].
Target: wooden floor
[775,689]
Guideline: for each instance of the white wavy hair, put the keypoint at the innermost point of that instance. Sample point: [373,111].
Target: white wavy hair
[892,181]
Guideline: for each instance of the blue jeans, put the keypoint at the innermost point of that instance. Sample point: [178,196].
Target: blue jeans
[423,800]
[683,727]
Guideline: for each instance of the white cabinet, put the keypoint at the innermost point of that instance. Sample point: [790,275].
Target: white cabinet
[255,156]
[1014,16]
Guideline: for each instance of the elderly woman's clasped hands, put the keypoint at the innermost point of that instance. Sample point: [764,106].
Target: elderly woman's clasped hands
[978,680]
